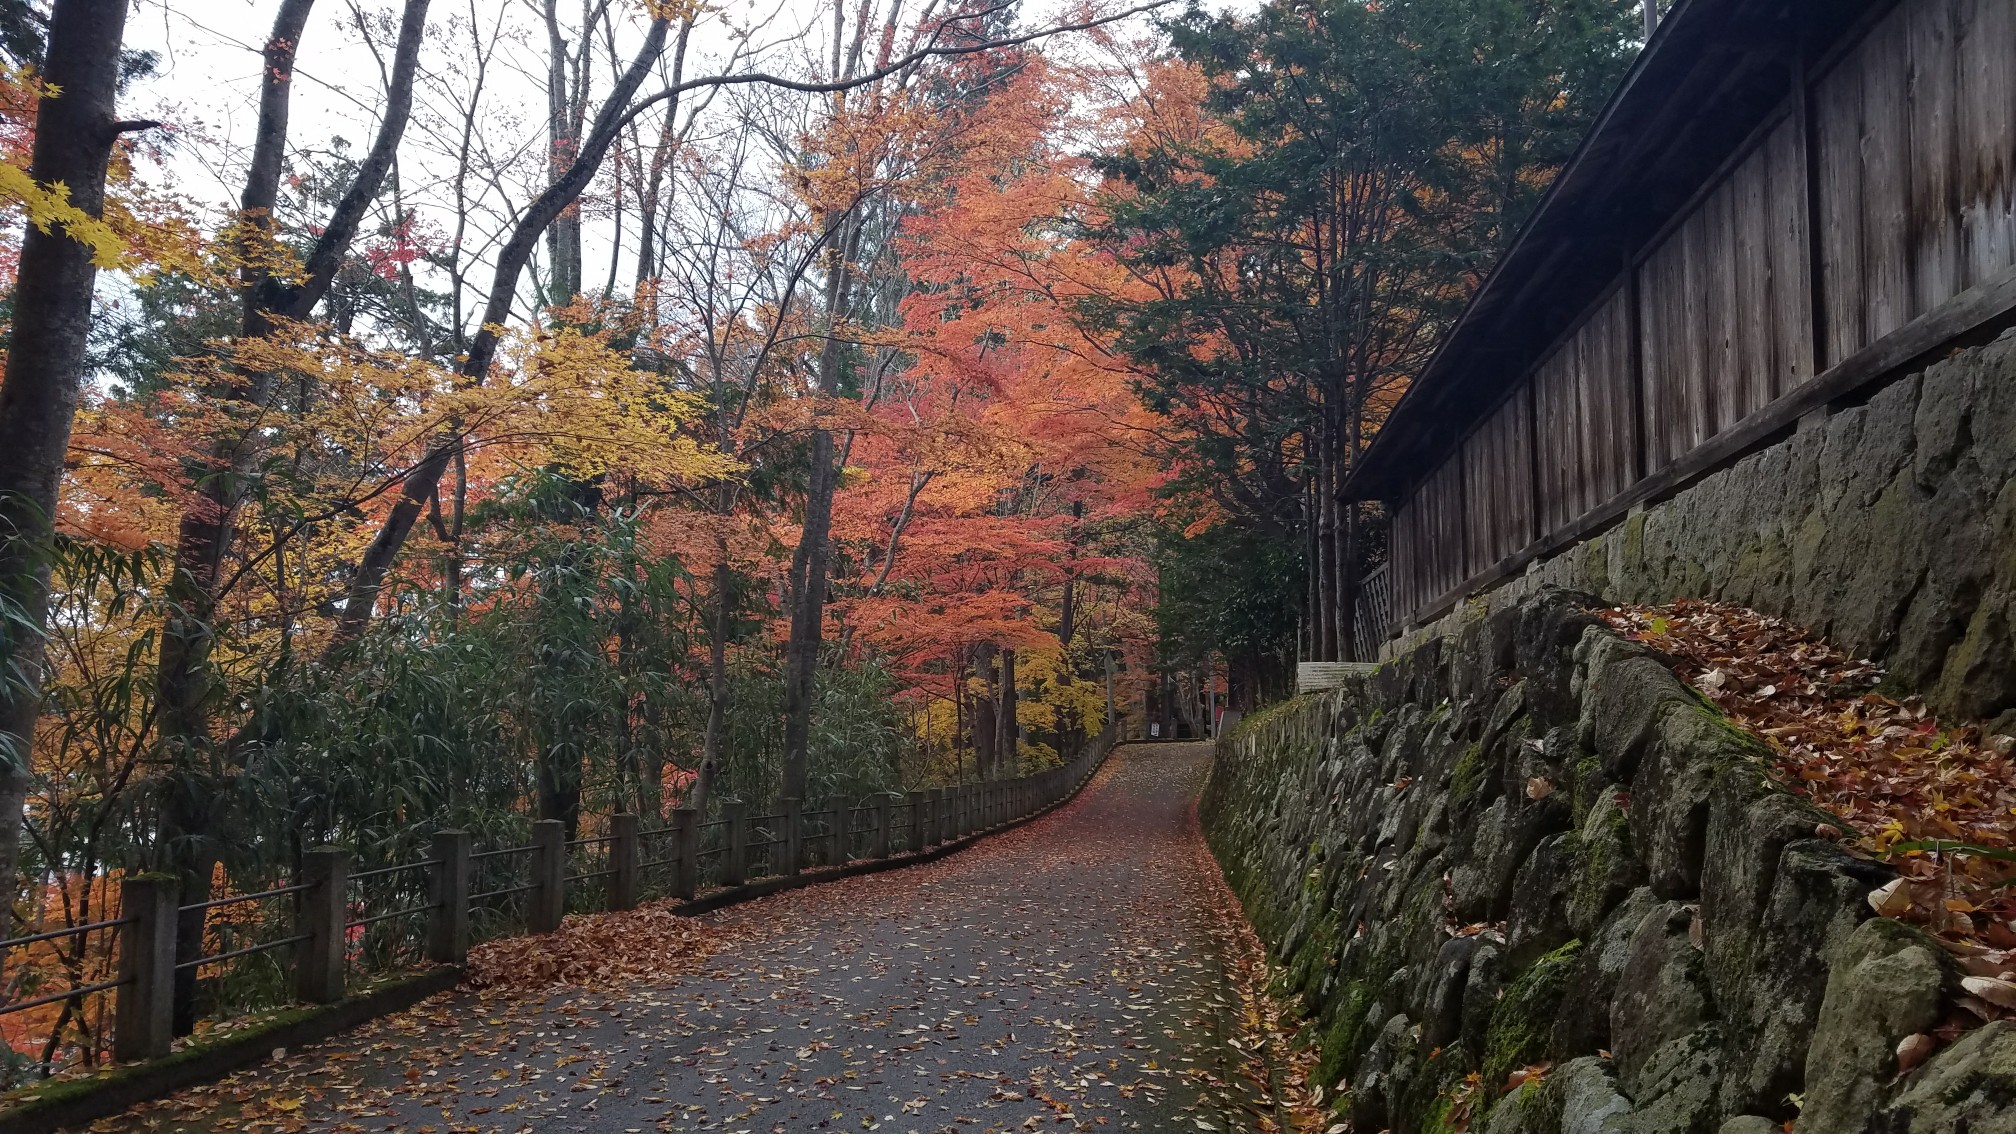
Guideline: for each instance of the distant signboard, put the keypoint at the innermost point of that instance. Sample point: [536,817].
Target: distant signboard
[1317,676]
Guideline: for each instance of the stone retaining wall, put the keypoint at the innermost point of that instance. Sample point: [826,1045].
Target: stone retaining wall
[1532,843]
[1889,529]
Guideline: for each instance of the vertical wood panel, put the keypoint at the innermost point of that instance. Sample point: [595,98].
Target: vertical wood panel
[1405,562]
[1932,231]
[1837,111]
[1750,229]
[1790,282]
[1692,346]
[1886,150]
[1661,387]
[1722,367]
[1985,126]
[1519,466]
[1620,422]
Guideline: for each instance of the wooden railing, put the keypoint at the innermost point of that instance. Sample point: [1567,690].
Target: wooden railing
[683,859]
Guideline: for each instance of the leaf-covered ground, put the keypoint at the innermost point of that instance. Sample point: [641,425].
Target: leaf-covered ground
[1934,798]
[1086,971]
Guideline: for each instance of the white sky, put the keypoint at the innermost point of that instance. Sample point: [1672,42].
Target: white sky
[207,85]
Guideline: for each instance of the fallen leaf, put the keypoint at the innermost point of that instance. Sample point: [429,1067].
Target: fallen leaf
[2000,993]
[1912,1050]
[1890,899]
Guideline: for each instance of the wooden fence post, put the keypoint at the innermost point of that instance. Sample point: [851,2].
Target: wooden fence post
[546,903]
[685,853]
[143,1020]
[735,871]
[448,890]
[318,959]
[843,833]
[794,837]
[914,841]
[623,861]
[881,847]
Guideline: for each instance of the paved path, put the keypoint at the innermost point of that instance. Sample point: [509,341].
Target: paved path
[1064,975]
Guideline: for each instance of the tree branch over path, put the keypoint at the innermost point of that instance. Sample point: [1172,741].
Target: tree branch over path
[616,113]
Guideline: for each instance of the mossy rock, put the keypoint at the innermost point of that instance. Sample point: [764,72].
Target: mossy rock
[1468,775]
[1522,1026]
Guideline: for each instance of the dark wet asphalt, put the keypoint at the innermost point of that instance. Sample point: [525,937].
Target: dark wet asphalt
[1063,975]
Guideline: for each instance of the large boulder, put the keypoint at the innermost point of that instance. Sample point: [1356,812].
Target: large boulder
[1662,993]
[1582,1025]
[1884,985]
[1383,1074]
[1626,694]
[1750,822]
[1605,868]
[1970,1088]
[1676,1092]
[1819,898]
[1671,788]
[1582,1093]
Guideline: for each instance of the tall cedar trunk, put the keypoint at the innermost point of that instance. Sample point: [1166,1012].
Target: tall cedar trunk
[361,595]
[189,817]
[717,681]
[808,562]
[204,534]
[74,135]
[1326,527]
[1310,572]
[958,716]
[984,727]
[1011,730]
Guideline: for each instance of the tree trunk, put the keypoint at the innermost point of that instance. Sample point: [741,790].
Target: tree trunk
[717,681]
[808,562]
[203,537]
[985,729]
[361,595]
[563,139]
[1011,728]
[74,135]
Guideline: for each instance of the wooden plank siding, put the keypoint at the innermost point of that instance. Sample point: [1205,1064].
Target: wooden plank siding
[1906,200]
[1725,305]
[1915,129]
[1498,483]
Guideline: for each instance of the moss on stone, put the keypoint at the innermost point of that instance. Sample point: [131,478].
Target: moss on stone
[1347,1035]
[1468,775]
[1589,782]
[1524,1019]
[1262,717]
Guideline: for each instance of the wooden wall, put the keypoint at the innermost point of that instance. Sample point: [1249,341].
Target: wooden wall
[1903,199]
[1724,303]
[1914,133]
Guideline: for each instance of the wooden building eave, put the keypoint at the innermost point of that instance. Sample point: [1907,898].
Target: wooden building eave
[1715,73]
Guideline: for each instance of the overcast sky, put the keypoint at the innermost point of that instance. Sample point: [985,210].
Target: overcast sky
[208,75]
